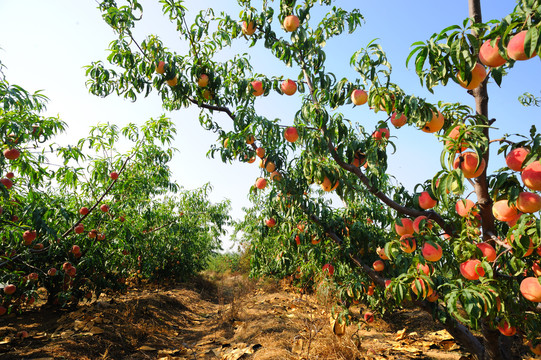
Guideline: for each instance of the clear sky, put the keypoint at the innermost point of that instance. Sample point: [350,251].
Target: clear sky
[45,44]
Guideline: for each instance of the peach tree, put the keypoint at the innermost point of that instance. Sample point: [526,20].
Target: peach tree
[84,226]
[472,261]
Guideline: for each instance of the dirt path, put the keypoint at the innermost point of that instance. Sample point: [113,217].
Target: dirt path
[229,318]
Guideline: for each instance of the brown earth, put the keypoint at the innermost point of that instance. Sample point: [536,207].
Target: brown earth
[217,317]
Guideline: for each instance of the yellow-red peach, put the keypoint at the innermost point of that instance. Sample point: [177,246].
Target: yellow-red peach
[515,158]
[261,183]
[468,162]
[380,134]
[326,185]
[435,124]
[531,289]
[426,201]
[288,87]
[478,74]
[502,211]
[203,80]
[426,289]
[417,223]
[472,269]
[257,88]
[507,329]
[160,67]
[489,54]
[398,121]
[515,47]
[407,243]
[359,97]
[454,134]
[378,265]
[424,268]
[528,202]
[404,226]
[488,251]
[291,134]
[531,175]
[381,253]
[248,28]
[464,207]
[291,23]
[432,252]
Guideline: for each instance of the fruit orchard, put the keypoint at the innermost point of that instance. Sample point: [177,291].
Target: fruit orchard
[80,220]
[464,245]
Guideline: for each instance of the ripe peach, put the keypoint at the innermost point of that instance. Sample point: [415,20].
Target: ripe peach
[381,253]
[260,152]
[114,175]
[326,185]
[515,158]
[270,166]
[297,240]
[515,47]
[488,251]
[529,202]
[489,55]
[433,297]
[288,87]
[275,176]
[424,268]
[75,249]
[531,175]
[250,139]
[380,134]
[407,243]
[535,349]
[478,74]
[207,95]
[51,272]
[426,202]
[531,289]
[291,23]
[203,80]
[435,124]
[472,269]
[536,269]
[261,183]
[79,229]
[33,276]
[172,82]
[359,97]
[398,121]
[104,208]
[368,317]
[291,134]
[378,265]
[10,175]
[29,236]
[270,222]
[507,329]
[454,134]
[467,162]
[248,28]
[502,211]
[10,289]
[160,67]
[12,154]
[404,226]
[432,252]
[426,289]
[417,223]
[7,183]
[257,87]
[83,211]
[328,268]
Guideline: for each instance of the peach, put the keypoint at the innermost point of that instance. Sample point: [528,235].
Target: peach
[426,289]
[424,268]
[417,223]
[515,158]
[378,265]
[83,211]
[468,162]
[515,47]
[10,289]
[454,134]
[478,74]
[433,297]
[172,82]
[270,222]
[260,152]
[464,207]
[381,253]
[250,139]
[531,176]
[536,268]
[10,175]
[487,250]
[261,183]
[507,329]
[79,229]
[407,243]
[288,87]
[528,202]
[426,202]
[472,269]
[3,310]
[432,252]
[489,54]
[435,124]
[51,272]
[203,80]
[531,289]
[12,154]
[291,134]
[7,183]
[368,317]
[502,211]
[398,121]
[404,226]
[104,208]
[248,28]
[275,176]
[257,87]
[160,67]
[326,185]
[328,268]
[291,23]
[359,97]
[530,246]
[380,134]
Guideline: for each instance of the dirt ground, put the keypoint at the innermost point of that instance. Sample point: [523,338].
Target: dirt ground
[216,317]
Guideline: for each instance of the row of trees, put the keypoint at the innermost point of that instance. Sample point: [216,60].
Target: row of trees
[79,220]
[471,261]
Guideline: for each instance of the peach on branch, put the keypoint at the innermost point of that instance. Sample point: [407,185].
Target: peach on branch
[432,252]
[380,134]
[79,229]
[288,87]
[291,134]
[29,236]
[515,47]
[487,250]
[535,349]
[328,268]
[51,272]
[172,82]
[398,121]
[104,207]
[489,54]
[248,28]
[160,67]
[359,97]
[465,207]
[12,154]
[250,139]
[454,134]
[114,175]
[261,183]
[276,176]
[260,152]
[469,163]
[271,222]
[291,23]
[516,157]
[507,329]
[7,183]
[426,201]
[368,317]
[536,269]
[203,80]
[417,223]
[424,268]
[420,284]
[478,74]
[378,265]
[327,185]
[531,176]
[404,226]
[435,124]
[381,253]
[528,202]
[472,269]
[10,175]
[503,211]
[83,211]
[10,289]
[531,289]
[407,243]
[257,88]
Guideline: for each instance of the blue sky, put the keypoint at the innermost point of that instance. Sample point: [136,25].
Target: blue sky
[45,44]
